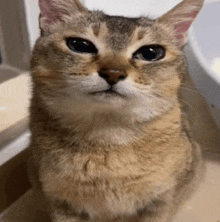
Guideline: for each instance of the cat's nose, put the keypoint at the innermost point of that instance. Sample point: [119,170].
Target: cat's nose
[112,76]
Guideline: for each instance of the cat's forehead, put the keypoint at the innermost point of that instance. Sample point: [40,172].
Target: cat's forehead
[115,31]
[122,24]
[119,23]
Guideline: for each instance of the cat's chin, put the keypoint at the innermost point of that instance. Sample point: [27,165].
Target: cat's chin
[107,96]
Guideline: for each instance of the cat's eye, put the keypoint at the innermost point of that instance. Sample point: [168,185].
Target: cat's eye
[81,45]
[150,53]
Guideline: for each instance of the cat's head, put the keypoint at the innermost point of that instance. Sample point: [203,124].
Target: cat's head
[90,60]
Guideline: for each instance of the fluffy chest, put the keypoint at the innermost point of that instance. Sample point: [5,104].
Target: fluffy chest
[116,183]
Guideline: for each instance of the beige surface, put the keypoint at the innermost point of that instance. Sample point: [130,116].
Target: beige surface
[204,206]
[14,100]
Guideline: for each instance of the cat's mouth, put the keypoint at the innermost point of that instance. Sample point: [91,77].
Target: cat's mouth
[108,92]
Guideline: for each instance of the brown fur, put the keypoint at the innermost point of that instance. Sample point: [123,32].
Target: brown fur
[106,158]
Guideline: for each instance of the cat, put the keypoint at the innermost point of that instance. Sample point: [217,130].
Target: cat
[110,137]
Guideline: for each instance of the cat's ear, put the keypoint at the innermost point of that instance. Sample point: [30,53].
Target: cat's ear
[180,18]
[58,11]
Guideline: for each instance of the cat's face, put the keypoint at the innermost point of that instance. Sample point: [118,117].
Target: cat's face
[95,61]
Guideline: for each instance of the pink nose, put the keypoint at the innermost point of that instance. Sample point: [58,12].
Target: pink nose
[112,76]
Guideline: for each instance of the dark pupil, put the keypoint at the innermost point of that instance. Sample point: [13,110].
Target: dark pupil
[81,45]
[149,54]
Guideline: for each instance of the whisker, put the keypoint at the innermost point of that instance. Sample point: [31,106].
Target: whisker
[191,90]
[194,110]
[197,92]
[191,107]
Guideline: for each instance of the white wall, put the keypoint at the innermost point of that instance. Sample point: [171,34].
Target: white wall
[132,8]
[32,13]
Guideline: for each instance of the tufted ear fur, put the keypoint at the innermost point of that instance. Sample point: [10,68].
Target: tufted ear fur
[53,12]
[180,18]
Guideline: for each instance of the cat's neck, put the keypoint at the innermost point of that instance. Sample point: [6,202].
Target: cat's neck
[111,128]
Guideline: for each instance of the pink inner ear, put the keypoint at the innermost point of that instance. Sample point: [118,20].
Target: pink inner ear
[50,12]
[179,37]
[193,14]
[182,27]
[46,6]
[181,17]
